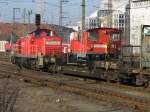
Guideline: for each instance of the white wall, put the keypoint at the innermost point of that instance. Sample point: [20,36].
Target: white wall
[2,46]
[139,15]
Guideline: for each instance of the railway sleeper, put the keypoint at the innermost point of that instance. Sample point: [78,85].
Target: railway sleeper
[107,75]
[54,68]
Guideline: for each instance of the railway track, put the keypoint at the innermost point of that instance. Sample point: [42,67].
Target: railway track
[4,57]
[123,86]
[137,98]
[132,98]
[8,65]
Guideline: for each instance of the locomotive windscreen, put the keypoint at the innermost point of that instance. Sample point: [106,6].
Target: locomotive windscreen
[37,33]
[93,35]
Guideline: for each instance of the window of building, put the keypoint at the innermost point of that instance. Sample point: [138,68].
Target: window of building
[114,36]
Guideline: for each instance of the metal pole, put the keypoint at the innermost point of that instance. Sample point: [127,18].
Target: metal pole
[24,16]
[52,16]
[142,37]
[12,33]
[14,24]
[29,19]
[129,10]
[60,16]
[109,18]
[24,20]
[82,27]
[83,15]
[129,18]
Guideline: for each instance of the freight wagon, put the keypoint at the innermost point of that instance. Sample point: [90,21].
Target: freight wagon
[136,67]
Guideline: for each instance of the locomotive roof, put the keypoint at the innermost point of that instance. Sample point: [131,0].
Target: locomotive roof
[110,29]
[40,30]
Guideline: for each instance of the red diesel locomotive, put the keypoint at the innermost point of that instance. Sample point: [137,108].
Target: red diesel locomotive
[39,49]
[100,44]
[96,52]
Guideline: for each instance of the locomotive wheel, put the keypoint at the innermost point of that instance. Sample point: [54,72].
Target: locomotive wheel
[33,65]
[139,80]
[12,60]
[92,69]
[57,68]
[111,76]
[52,68]
[116,77]
[147,83]
[106,76]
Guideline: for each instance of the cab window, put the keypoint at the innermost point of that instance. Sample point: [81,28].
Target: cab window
[48,33]
[93,35]
[36,33]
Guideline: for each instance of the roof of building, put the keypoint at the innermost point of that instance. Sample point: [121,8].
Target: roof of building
[94,15]
[109,29]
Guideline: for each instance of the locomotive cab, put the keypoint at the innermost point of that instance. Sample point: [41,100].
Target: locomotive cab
[104,43]
[97,44]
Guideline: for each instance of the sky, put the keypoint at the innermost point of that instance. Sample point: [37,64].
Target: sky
[71,10]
